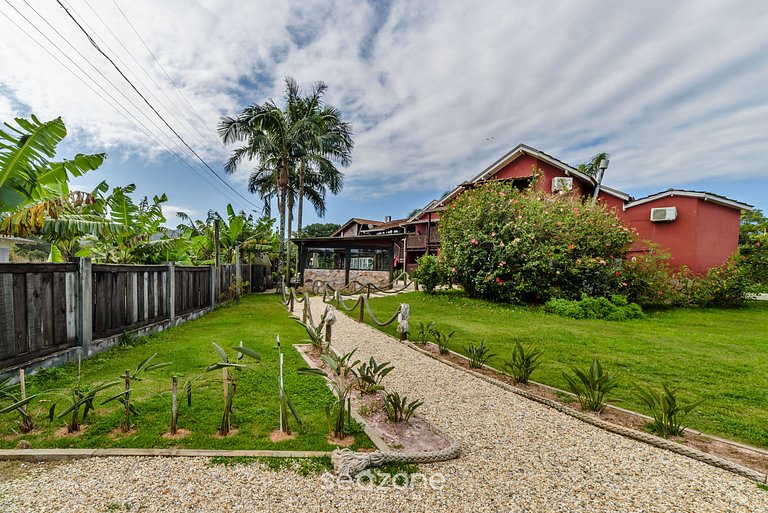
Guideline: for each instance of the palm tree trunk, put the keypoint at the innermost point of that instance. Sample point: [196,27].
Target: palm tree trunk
[302,168]
[288,242]
[281,207]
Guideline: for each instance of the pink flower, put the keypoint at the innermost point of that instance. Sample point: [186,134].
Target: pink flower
[623,283]
[473,241]
[571,246]
[602,262]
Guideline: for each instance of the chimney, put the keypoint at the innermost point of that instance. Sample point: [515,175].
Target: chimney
[388,219]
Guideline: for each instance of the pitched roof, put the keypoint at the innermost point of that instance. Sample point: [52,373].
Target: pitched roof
[357,220]
[386,226]
[706,196]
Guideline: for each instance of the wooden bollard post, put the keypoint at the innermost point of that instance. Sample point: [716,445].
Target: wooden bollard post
[328,333]
[174,405]
[127,404]
[290,292]
[361,317]
[368,293]
[403,337]
[416,286]
[23,386]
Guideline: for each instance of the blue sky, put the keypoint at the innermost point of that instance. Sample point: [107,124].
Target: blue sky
[435,91]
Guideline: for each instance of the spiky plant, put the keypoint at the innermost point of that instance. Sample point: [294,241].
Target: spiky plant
[11,393]
[524,361]
[230,387]
[370,375]
[478,355]
[342,381]
[398,408]
[591,386]
[667,411]
[81,400]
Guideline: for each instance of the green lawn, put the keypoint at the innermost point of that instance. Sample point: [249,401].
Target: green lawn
[715,354]
[255,322]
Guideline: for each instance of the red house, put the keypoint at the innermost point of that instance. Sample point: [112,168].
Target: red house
[699,229]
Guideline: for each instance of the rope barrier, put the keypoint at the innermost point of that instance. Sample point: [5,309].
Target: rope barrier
[375,320]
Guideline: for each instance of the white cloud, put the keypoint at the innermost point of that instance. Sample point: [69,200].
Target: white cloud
[436,91]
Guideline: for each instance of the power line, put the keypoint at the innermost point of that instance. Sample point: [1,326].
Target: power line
[158,62]
[183,121]
[90,39]
[132,118]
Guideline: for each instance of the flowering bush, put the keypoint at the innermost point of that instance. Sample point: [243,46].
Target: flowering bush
[528,246]
[430,273]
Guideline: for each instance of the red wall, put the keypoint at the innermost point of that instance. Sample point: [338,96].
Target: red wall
[704,234]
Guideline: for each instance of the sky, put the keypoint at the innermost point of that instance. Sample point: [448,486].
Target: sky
[676,92]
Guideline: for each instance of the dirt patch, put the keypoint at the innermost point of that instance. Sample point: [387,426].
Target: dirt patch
[416,435]
[118,433]
[278,436]
[180,433]
[63,432]
[232,432]
[742,455]
[341,442]
[11,438]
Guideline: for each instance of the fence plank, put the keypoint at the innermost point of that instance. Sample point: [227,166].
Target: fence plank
[7,342]
[71,307]
[21,334]
[59,306]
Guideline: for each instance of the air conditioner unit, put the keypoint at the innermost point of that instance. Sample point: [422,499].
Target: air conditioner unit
[562,184]
[664,214]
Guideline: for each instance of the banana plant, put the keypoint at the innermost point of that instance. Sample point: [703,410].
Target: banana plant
[230,386]
[342,382]
[124,398]
[81,400]
[10,392]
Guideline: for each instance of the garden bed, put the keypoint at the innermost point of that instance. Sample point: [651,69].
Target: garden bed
[415,435]
[749,457]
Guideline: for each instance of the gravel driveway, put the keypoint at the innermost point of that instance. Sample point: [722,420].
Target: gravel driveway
[518,456]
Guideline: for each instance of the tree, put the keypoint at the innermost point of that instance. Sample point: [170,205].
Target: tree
[320,229]
[753,248]
[301,138]
[592,166]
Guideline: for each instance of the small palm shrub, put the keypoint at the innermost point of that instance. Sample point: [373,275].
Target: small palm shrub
[228,378]
[442,339]
[591,386]
[524,361]
[370,375]
[425,331]
[478,355]
[398,408]
[667,412]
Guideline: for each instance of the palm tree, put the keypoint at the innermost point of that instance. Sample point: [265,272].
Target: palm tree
[592,167]
[304,135]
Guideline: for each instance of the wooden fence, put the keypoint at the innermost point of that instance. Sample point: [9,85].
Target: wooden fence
[46,308]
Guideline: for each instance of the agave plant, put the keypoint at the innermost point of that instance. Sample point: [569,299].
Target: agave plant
[425,331]
[667,412]
[478,355]
[370,375]
[124,398]
[524,361]
[398,408]
[316,334]
[591,386]
[342,382]
[442,339]
[228,378]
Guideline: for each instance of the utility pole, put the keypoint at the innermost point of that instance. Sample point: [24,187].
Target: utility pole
[600,173]
[216,241]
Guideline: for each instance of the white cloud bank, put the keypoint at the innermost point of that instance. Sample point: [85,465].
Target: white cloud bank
[676,92]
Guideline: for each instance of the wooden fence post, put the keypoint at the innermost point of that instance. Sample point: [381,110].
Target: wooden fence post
[170,290]
[361,317]
[213,285]
[84,303]
[238,273]
[328,333]
[174,406]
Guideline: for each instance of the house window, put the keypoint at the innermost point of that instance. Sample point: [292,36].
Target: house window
[370,260]
[325,258]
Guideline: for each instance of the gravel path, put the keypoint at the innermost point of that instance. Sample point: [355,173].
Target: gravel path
[518,456]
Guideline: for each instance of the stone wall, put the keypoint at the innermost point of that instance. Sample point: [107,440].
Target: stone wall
[378,278]
[333,277]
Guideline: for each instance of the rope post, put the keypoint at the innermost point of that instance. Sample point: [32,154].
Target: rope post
[368,293]
[402,321]
[416,286]
[330,319]
[304,311]
[290,292]
[361,318]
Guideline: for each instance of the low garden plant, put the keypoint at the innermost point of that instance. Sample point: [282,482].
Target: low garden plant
[398,408]
[80,399]
[478,355]
[667,410]
[614,309]
[525,360]
[591,386]
[425,331]
[370,375]
[10,393]
[442,339]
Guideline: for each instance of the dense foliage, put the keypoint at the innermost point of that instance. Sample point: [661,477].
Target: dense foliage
[614,309]
[319,229]
[430,273]
[508,245]
[753,247]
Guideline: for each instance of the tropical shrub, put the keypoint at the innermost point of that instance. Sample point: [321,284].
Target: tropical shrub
[124,398]
[229,380]
[398,408]
[370,375]
[524,361]
[478,355]
[430,273]
[11,393]
[81,400]
[425,331]
[614,309]
[667,412]
[442,339]
[504,244]
[591,386]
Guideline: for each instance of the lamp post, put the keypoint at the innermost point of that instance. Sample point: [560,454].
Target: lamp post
[600,173]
